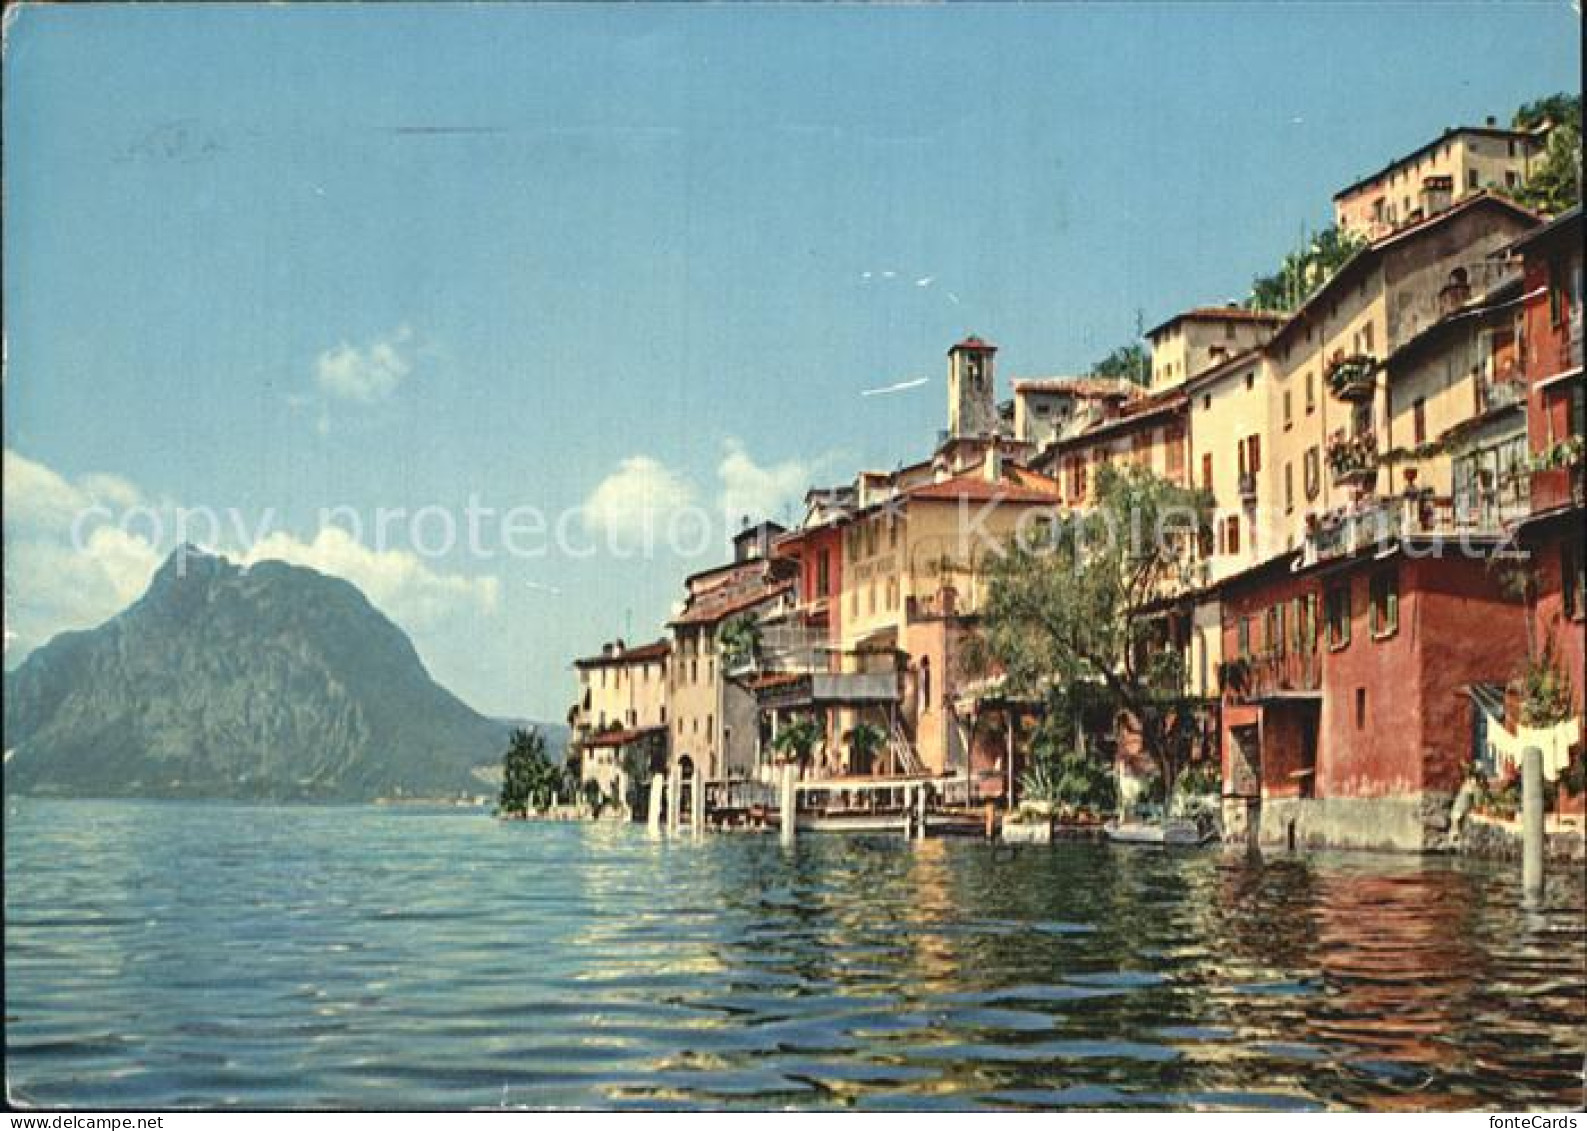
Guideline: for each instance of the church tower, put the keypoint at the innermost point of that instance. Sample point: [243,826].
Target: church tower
[972,405]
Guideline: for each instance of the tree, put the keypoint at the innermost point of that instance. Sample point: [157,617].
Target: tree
[529,780]
[1304,270]
[740,640]
[797,739]
[1062,771]
[1129,362]
[1554,183]
[1072,604]
[864,739]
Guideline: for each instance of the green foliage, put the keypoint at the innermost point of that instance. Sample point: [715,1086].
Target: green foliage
[740,640]
[1070,605]
[529,780]
[1545,693]
[1063,775]
[1304,271]
[797,738]
[637,769]
[1554,183]
[864,740]
[594,799]
[1130,362]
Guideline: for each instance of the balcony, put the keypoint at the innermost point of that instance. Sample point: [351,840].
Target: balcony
[1352,378]
[1379,521]
[1554,487]
[1248,487]
[1353,460]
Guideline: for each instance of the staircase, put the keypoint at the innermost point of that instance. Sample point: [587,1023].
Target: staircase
[904,755]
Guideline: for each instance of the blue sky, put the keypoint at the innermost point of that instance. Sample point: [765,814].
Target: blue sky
[295,257]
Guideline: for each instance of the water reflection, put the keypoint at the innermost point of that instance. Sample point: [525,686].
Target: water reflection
[164,954]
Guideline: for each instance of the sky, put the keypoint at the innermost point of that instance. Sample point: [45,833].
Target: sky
[609,265]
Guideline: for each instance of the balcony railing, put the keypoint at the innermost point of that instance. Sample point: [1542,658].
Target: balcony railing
[1352,378]
[1380,521]
[1554,487]
[1248,486]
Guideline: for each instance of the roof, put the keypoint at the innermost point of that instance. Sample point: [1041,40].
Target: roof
[655,650]
[1028,487]
[1370,253]
[1078,386]
[1558,226]
[764,526]
[1219,314]
[1451,132]
[973,343]
[709,611]
[1224,368]
[619,737]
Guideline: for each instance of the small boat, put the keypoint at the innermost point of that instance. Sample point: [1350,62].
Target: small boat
[1166,834]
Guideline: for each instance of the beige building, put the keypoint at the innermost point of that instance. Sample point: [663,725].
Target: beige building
[1050,409]
[1196,340]
[1463,161]
[1330,417]
[622,703]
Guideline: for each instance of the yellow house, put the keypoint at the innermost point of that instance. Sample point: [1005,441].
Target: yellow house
[622,702]
[1431,178]
[1198,339]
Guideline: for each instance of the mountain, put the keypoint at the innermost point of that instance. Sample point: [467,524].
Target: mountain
[271,682]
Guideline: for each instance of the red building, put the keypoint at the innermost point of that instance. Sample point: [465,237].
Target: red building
[1552,533]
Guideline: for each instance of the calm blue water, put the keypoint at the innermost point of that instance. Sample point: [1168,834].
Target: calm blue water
[188,954]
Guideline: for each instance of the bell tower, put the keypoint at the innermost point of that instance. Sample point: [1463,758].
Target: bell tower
[972,405]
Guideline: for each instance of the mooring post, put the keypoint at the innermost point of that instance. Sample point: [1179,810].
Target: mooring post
[658,786]
[991,821]
[674,798]
[920,811]
[1532,820]
[787,804]
[697,805]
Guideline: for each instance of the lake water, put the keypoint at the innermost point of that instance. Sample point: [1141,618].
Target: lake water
[168,954]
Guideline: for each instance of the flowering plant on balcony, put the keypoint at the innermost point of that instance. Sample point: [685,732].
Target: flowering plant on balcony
[1347,454]
[1351,375]
[1569,452]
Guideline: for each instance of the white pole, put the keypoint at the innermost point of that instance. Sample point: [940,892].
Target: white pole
[788,804]
[1532,821]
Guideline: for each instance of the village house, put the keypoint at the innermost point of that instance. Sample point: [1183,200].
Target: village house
[1431,178]
[621,710]
[1556,423]
[1350,659]
[714,732]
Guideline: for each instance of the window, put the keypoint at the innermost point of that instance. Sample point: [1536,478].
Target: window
[1361,708]
[1336,609]
[1419,421]
[1313,472]
[1250,380]
[1289,415]
[1231,534]
[1471,178]
[1311,392]
[1573,580]
[1273,630]
[1384,611]
[1245,638]
[1289,487]
[1253,457]
[1228,329]
[823,572]
[1366,338]
[1510,179]
[1206,471]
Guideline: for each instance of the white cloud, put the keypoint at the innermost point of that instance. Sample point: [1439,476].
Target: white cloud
[59,578]
[51,584]
[749,489]
[365,374]
[637,499]
[398,582]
